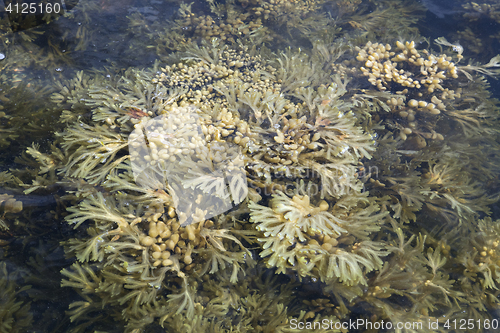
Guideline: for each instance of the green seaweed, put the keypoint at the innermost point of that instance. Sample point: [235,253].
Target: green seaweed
[350,185]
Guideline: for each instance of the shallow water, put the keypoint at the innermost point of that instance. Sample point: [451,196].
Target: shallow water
[47,67]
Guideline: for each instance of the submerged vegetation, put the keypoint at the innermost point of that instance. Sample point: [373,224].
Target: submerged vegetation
[278,162]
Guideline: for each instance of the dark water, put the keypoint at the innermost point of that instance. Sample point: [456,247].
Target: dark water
[40,55]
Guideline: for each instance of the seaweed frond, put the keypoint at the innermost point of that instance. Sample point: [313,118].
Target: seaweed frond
[97,147]
[328,242]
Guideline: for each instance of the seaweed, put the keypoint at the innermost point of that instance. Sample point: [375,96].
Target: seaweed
[15,315]
[237,185]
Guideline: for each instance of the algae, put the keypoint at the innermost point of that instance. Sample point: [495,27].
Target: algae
[360,166]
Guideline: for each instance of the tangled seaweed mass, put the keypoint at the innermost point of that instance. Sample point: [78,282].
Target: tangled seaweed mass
[237,185]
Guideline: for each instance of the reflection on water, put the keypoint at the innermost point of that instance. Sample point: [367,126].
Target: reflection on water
[363,195]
